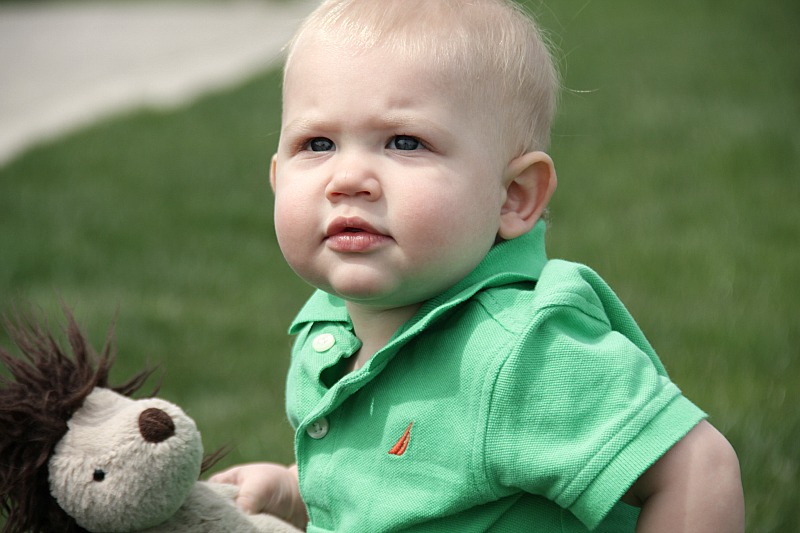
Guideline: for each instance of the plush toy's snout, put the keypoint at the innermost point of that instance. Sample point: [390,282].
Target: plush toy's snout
[155,425]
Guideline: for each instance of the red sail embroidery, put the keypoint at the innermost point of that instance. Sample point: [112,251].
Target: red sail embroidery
[402,444]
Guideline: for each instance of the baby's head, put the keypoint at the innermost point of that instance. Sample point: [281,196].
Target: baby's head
[490,53]
[410,143]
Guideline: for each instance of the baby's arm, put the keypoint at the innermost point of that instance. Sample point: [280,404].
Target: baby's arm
[267,488]
[696,486]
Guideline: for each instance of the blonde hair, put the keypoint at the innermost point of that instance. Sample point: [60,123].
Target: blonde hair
[492,49]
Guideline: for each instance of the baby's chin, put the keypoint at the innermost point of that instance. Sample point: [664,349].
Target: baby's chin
[366,297]
[377,285]
[375,298]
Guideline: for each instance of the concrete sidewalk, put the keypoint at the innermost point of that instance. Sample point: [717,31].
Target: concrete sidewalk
[65,65]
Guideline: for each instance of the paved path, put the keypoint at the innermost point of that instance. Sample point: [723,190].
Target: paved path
[65,65]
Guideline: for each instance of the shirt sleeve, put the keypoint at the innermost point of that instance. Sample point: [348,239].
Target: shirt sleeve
[579,410]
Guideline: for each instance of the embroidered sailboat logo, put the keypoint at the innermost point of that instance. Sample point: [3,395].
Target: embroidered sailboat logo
[402,444]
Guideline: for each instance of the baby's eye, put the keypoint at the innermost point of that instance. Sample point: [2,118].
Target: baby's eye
[320,144]
[404,142]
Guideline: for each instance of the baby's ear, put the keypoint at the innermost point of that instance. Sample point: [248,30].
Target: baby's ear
[273,169]
[530,180]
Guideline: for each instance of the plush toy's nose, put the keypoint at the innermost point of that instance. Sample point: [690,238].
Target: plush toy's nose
[155,425]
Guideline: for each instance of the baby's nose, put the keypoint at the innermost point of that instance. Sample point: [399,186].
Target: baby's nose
[353,177]
[155,425]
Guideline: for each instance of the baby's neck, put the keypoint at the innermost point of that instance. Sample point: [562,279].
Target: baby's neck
[374,327]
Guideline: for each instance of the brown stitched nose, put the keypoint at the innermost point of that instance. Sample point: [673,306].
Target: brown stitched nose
[155,425]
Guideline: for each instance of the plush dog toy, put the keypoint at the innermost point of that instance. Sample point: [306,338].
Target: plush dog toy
[77,455]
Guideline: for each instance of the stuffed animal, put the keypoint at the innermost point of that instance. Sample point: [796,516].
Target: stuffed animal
[77,455]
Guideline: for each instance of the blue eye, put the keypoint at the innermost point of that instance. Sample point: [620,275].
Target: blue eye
[404,142]
[321,144]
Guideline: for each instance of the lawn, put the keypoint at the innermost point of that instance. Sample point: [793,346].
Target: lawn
[678,151]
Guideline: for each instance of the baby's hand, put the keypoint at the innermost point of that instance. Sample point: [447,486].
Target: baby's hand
[267,488]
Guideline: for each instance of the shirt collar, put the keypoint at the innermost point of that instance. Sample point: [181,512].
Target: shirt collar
[514,261]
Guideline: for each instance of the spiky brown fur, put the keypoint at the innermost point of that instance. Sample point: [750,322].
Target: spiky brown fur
[44,388]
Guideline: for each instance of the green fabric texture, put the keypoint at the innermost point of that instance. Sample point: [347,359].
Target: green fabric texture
[525,398]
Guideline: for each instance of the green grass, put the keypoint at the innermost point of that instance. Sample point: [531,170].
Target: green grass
[678,155]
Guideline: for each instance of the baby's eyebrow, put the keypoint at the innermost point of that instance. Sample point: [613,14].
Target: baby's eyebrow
[390,122]
[302,125]
[412,122]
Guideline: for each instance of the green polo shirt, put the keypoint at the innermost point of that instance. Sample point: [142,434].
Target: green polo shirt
[524,398]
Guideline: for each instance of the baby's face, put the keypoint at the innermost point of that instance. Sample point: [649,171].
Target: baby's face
[388,188]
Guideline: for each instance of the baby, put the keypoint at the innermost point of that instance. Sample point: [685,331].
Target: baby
[446,375]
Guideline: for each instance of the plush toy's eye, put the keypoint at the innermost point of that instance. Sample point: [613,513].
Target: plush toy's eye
[99,475]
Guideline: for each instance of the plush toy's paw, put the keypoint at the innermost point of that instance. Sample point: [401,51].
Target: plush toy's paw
[211,509]
[271,524]
[264,523]
[225,490]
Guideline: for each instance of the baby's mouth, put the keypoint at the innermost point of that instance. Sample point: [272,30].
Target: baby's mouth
[350,225]
[353,235]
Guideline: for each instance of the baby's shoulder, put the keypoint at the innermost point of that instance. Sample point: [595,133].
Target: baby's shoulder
[562,286]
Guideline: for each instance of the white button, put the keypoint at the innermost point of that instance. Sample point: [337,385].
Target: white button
[318,428]
[323,342]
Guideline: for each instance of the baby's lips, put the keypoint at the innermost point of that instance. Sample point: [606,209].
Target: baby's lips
[350,224]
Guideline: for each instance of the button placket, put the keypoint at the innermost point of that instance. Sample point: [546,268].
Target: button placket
[331,348]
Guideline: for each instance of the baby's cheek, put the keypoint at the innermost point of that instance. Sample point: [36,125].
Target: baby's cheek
[449,226]
[293,217]
[291,243]
[296,241]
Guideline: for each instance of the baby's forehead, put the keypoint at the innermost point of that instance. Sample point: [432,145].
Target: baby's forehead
[319,56]
[429,67]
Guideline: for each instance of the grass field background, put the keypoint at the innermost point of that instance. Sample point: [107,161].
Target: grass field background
[678,151]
